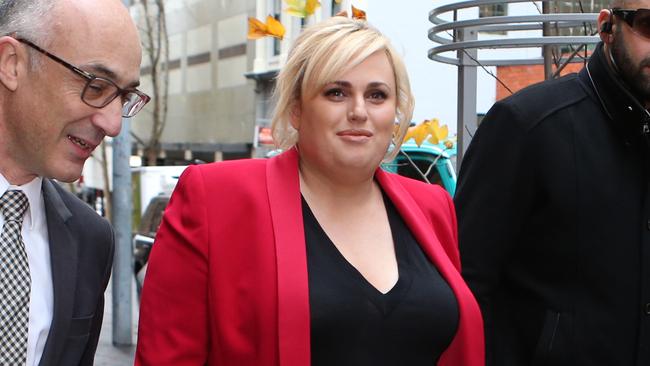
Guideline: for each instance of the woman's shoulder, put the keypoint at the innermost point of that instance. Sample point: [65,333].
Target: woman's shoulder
[432,199]
[234,164]
[421,189]
[225,175]
[228,167]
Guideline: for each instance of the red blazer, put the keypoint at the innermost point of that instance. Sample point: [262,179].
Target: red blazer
[227,277]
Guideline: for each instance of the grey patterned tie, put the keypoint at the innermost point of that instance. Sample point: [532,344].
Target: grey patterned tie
[15,282]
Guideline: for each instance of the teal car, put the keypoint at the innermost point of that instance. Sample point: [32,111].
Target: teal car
[433,161]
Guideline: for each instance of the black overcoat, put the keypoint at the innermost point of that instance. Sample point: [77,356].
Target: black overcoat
[554,223]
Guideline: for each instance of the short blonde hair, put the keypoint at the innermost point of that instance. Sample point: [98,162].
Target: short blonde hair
[320,54]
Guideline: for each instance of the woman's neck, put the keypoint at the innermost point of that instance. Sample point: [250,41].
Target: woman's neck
[340,188]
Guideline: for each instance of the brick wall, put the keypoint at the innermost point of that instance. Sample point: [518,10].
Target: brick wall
[520,76]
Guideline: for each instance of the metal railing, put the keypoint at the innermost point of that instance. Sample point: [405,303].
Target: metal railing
[465,38]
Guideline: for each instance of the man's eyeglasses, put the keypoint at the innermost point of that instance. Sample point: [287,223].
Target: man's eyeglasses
[637,19]
[99,92]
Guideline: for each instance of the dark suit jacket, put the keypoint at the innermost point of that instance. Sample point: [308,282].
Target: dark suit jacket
[227,278]
[81,251]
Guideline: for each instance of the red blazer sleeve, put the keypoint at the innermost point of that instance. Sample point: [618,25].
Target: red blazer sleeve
[176,281]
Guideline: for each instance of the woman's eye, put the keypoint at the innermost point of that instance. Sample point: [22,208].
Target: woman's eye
[378,95]
[334,93]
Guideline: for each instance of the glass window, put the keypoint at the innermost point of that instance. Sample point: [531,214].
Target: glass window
[493,10]
[336,8]
[585,6]
[277,11]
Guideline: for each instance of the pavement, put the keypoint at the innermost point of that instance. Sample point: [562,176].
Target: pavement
[108,354]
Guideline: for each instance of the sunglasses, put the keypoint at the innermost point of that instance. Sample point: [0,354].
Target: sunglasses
[638,20]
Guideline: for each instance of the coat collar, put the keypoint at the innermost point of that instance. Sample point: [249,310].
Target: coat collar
[628,115]
[63,257]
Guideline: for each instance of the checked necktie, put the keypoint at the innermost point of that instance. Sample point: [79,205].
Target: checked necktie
[15,282]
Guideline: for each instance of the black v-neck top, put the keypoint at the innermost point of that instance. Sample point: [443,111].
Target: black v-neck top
[353,323]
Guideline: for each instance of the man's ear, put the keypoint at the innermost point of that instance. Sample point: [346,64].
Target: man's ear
[9,62]
[295,115]
[606,25]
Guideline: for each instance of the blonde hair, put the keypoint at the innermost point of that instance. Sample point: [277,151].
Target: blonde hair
[320,54]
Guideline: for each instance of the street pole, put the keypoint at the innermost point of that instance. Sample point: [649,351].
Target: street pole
[122,262]
[122,208]
[547,50]
[467,76]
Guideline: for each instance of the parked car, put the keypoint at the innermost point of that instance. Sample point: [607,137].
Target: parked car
[144,236]
[433,161]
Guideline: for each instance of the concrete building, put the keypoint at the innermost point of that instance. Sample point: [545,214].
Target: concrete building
[517,77]
[270,55]
[220,83]
[211,113]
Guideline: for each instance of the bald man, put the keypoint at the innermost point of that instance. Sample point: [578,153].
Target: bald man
[553,205]
[68,74]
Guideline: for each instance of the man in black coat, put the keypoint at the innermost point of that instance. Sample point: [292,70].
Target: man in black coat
[553,204]
[68,72]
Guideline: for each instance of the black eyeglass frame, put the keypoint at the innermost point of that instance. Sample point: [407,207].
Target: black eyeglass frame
[628,16]
[143,98]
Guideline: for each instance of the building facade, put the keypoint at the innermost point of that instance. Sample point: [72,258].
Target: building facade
[517,77]
[210,110]
[220,83]
[270,55]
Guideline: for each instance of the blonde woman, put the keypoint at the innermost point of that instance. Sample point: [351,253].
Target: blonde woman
[316,256]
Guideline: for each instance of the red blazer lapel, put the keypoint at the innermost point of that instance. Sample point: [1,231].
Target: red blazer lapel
[470,328]
[283,186]
[417,221]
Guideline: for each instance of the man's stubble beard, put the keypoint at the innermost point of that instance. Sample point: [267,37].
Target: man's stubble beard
[633,75]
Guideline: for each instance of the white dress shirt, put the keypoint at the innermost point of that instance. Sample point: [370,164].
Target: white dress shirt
[36,241]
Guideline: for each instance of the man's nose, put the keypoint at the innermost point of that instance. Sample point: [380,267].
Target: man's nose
[109,118]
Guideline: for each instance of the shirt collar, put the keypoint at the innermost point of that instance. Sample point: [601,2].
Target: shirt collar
[33,192]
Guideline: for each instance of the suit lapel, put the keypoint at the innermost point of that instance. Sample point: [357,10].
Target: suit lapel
[419,224]
[283,186]
[63,257]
